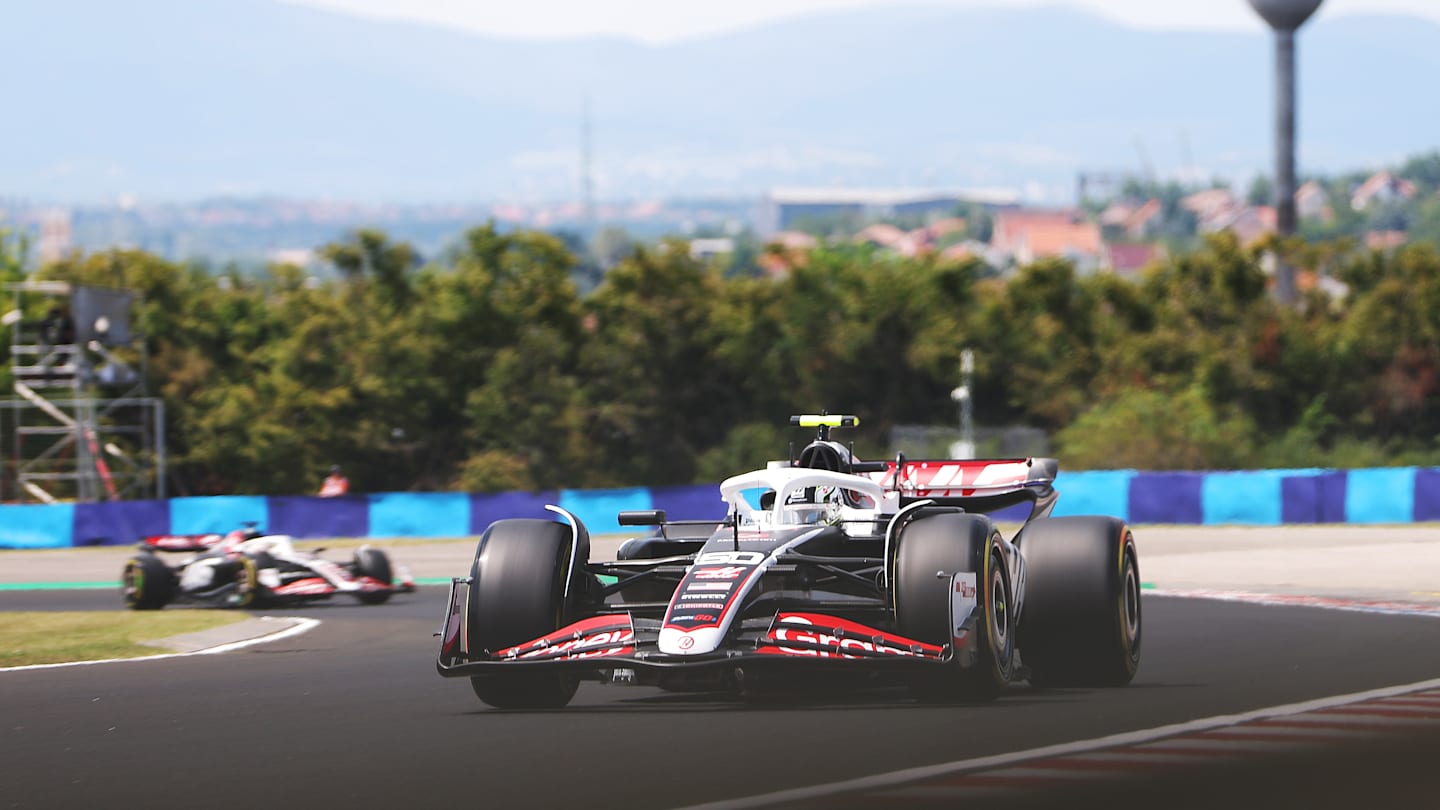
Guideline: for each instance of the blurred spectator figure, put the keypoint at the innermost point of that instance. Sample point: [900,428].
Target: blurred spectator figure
[58,328]
[334,483]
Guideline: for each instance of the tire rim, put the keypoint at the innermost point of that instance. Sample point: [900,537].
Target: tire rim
[247,583]
[132,583]
[999,612]
[1130,606]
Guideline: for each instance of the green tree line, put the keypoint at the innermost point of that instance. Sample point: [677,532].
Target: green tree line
[487,369]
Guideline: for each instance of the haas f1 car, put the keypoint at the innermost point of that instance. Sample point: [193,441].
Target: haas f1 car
[826,567]
[245,568]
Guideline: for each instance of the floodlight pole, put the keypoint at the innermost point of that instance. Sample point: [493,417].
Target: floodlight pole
[1285,17]
[1285,129]
[965,448]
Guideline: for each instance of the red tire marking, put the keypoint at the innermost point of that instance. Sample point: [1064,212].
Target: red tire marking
[1278,737]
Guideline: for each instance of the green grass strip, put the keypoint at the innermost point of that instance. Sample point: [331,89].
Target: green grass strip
[60,637]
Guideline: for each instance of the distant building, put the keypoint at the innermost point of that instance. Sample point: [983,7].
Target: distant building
[793,240]
[782,209]
[880,235]
[1210,204]
[1129,259]
[1381,187]
[56,239]
[1385,240]
[299,257]
[1312,202]
[1249,223]
[784,252]
[710,248]
[1027,236]
[1132,221]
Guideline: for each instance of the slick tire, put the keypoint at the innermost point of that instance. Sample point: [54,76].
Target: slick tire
[931,550]
[1082,607]
[518,593]
[373,563]
[147,583]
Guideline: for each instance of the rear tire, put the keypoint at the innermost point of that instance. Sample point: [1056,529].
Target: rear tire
[147,583]
[1082,611]
[517,595]
[373,563]
[948,544]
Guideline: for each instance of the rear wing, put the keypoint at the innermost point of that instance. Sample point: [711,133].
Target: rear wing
[976,485]
[181,542]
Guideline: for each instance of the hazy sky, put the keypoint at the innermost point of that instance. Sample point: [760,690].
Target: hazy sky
[661,21]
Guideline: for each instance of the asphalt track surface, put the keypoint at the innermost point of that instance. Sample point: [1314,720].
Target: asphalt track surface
[352,714]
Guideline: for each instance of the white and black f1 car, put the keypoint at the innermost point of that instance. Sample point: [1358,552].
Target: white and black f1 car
[245,568]
[826,567]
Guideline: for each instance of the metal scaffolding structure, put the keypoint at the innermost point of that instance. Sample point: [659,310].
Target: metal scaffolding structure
[81,426]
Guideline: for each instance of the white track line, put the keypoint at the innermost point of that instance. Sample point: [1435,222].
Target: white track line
[1063,749]
[300,626]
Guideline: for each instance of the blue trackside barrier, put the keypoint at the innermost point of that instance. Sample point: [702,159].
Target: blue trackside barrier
[1102,492]
[419,514]
[204,515]
[1380,496]
[1427,494]
[598,508]
[1318,498]
[1250,497]
[1162,497]
[37,526]
[486,508]
[296,515]
[95,523]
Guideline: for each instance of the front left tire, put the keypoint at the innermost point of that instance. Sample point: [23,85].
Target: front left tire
[518,593]
[931,550]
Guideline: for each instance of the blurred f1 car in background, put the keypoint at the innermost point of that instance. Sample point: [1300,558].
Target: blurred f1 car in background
[827,568]
[245,568]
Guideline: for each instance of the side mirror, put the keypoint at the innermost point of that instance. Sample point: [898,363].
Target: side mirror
[642,517]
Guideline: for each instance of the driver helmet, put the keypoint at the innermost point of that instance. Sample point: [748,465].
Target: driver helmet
[817,505]
[825,455]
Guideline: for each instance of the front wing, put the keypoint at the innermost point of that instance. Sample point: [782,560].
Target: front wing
[617,641]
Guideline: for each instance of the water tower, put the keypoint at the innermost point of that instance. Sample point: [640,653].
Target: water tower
[1285,17]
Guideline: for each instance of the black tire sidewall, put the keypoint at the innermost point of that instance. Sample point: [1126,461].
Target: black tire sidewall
[949,544]
[156,583]
[518,594]
[1074,629]
[518,583]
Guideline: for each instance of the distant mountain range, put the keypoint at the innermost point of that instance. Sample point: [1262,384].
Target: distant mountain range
[176,100]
